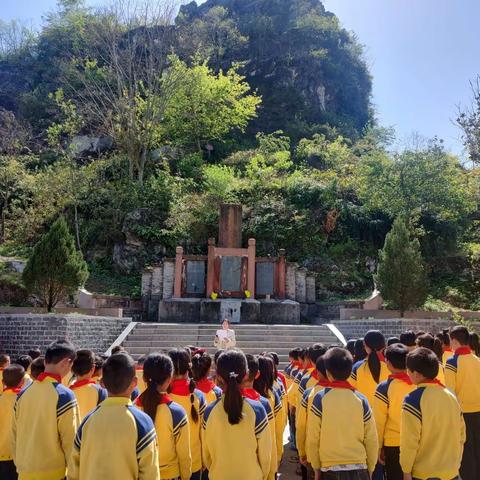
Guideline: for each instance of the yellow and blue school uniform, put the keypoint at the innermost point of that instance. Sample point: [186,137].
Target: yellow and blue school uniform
[44,424]
[211,391]
[115,441]
[237,452]
[432,433]
[88,394]
[141,385]
[293,394]
[363,381]
[387,408]
[341,429]
[7,403]
[180,393]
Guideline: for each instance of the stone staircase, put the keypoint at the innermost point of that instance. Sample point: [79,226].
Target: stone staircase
[154,337]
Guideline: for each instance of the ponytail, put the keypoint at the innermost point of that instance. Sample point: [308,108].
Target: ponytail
[232,369]
[157,369]
[375,341]
[193,410]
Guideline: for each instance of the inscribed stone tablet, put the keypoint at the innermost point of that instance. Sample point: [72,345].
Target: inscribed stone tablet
[264,278]
[231,274]
[195,277]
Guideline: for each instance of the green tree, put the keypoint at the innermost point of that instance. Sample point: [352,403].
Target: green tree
[401,277]
[55,269]
[206,107]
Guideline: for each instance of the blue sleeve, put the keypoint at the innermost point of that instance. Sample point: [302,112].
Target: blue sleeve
[66,399]
[145,429]
[261,419]
[317,407]
[208,411]
[202,402]
[135,394]
[355,368]
[218,392]
[452,364]
[102,394]
[78,437]
[266,405]
[382,391]
[179,417]
[411,404]
[305,396]
[367,411]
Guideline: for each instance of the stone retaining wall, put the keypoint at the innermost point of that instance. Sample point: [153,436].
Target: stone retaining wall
[20,332]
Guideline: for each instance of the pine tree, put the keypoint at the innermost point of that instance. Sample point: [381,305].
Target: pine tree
[55,269]
[401,276]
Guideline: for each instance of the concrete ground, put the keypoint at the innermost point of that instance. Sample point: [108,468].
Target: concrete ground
[287,468]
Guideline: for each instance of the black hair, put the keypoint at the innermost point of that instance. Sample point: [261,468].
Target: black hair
[181,364]
[393,341]
[375,340]
[13,375]
[475,343]
[157,369]
[320,366]
[118,349]
[216,355]
[302,353]
[58,351]
[396,354]
[444,337]
[360,352]
[420,333]
[408,338]
[37,367]
[118,373]
[24,360]
[274,357]
[252,364]
[295,353]
[83,363]
[316,351]
[264,383]
[338,362]
[350,346]
[461,335]
[434,344]
[34,353]
[4,360]
[141,360]
[232,368]
[201,365]
[423,361]
[99,362]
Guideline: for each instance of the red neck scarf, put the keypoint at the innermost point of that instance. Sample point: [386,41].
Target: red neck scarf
[434,382]
[139,368]
[324,383]
[45,375]
[341,384]
[463,351]
[205,385]
[315,375]
[81,383]
[180,387]
[250,393]
[296,364]
[15,390]
[447,349]
[163,400]
[403,376]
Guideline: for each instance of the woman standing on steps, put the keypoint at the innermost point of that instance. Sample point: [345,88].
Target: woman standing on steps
[225,337]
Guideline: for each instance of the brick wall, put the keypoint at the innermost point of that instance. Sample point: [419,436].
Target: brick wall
[391,327]
[20,332]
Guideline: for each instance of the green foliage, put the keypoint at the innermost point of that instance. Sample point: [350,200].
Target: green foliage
[55,269]
[401,275]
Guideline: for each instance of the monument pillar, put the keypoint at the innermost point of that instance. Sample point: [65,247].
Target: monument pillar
[177,289]
[282,274]
[210,266]
[230,226]
[252,252]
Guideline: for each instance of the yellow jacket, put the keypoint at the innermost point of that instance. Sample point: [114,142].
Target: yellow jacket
[432,433]
[43,429]
[363,381]
[237,452]
[387,408]
[115,441]
[7,403]
[462,377]
[88,394]
[341,429]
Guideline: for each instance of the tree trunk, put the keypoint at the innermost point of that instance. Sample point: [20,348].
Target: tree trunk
[2,230]
[141,165]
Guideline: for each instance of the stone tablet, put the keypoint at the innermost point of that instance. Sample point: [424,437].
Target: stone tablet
[264,278]
[231,274]
[195,277]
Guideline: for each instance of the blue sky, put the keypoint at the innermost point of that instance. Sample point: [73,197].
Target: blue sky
[422,55]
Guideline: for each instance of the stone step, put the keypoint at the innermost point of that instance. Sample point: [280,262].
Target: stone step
[244,331]
[260,344]
[240,338]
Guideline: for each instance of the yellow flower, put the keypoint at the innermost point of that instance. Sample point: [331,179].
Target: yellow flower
[214,296]
[247,294]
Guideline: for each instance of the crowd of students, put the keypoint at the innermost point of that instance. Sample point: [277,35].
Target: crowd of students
[402,409]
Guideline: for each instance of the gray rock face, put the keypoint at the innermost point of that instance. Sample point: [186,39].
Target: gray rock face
[84,146]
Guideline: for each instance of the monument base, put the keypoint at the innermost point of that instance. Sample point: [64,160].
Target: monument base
[196,310]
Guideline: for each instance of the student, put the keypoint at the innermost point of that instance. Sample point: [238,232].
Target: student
[25,361]
[304,409]
[248,391]
[263,384]
[475,343]
[116,440]
[87,391]
[408,338]
[462,374]
[97,373]
[393,341]
[368,373]
[201,366]
[350,346]
[435,345]
[141,385]
[279,376]
[13,378]
[432,428]
[170,418]
[311,378]
[182,391]
[236,439]
[46,419]
[4,363]
[444,338]
[341,439]
[305,367]
[360,352]
[37,367]
[387,408]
